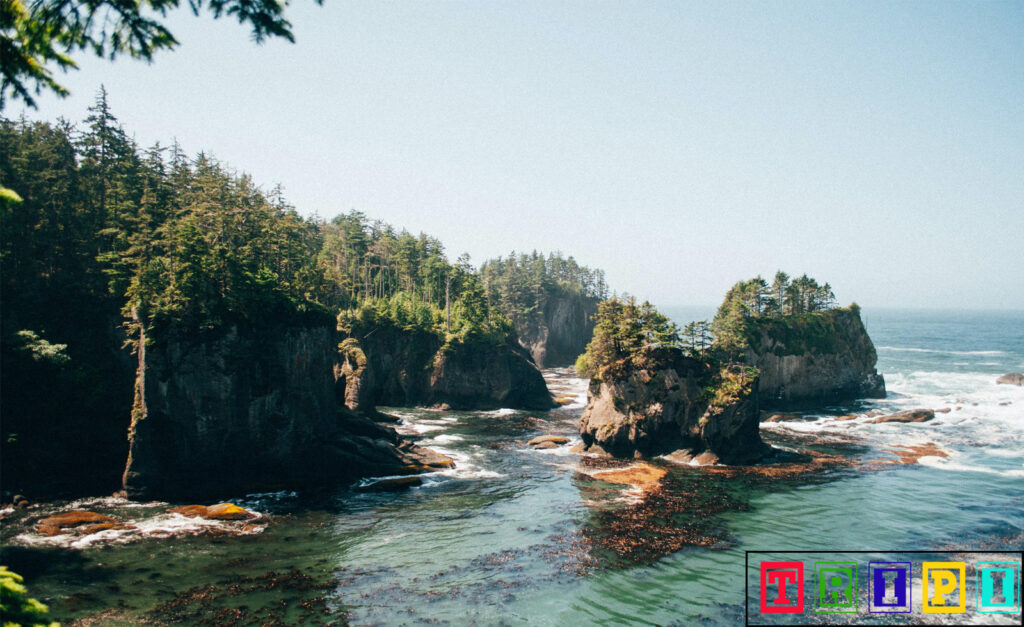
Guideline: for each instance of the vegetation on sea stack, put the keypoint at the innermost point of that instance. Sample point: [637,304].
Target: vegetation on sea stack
[748,302]
[623,329]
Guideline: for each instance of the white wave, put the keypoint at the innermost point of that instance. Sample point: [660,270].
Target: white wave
[1003,452]
[166,525]
[414,428]
[908,349]
[947,464]
[563,450]
[497,413]
[445,438]
[464,468]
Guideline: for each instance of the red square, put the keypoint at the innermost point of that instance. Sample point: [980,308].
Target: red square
[786,582]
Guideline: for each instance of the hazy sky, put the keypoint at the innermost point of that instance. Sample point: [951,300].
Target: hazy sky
[680,146]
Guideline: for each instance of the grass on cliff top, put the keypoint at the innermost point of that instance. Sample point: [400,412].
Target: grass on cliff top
[818,332]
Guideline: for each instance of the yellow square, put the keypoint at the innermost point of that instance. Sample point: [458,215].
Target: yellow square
[945,583]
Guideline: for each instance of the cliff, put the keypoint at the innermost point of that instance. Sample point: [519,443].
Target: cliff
[662,402]
[815,357]
[390,366]
[559,333]
[251,409]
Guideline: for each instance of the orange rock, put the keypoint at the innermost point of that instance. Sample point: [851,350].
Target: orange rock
[105,526]
[220,511]
[191,511]
[228,511]
[644,476]
[55,525]
[554,439]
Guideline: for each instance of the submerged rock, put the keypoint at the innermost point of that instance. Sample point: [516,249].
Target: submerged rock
[910,415]
[394,484]
[657,403]
[1013,378]
[642,476]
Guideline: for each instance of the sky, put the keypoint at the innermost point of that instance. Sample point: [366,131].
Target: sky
[679,146]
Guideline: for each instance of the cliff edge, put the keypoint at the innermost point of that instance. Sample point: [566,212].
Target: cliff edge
[390,366]
[251,409]
[813,357]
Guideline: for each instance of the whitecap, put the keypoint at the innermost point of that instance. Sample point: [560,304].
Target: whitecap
[909,349]
[946,464]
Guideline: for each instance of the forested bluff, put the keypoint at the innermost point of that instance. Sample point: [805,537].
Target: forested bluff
[165,310]
[146,292]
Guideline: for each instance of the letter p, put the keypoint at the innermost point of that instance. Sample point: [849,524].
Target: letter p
[941,579]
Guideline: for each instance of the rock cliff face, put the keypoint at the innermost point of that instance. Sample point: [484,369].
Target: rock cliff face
[560,334]
[391,366]
[252,409]
[662,406]
[825,356]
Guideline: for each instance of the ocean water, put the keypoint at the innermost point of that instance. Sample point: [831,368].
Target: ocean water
[514,535]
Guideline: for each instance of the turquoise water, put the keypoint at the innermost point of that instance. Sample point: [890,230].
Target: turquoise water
[519,536]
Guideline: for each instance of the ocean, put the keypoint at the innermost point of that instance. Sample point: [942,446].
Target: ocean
[514,535]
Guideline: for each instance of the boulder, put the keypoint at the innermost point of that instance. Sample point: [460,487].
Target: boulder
[553,439]
[910,415]
[658,403]
[783,418]
[220,511]
[1013,378]
[545,445]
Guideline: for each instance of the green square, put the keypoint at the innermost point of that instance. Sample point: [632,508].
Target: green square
[835,587]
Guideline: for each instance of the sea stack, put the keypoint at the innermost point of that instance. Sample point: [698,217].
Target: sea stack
[661,401]
[813,358]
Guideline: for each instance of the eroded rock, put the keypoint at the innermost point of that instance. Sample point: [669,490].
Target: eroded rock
[1013,378]
[65,521]
[909,415]
[657,403]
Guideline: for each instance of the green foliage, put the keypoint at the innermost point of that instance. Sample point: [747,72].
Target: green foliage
[16,608]
[469,322]
[696,339]
[41,350]
[622,330]
[754,300]
[44,33]
[520,285]
[730,383]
